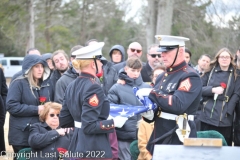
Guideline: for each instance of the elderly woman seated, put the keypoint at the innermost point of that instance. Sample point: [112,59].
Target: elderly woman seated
[46,139]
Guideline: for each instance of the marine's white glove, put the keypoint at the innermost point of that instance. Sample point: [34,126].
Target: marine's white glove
[119,121]
[143,92]
[149,114]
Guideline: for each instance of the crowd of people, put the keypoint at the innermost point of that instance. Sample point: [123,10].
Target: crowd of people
[59,104]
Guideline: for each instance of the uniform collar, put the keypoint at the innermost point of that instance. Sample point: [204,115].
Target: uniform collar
[88,75]
[176,68]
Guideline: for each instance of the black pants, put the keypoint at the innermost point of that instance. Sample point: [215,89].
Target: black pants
[16,149]
[225,131]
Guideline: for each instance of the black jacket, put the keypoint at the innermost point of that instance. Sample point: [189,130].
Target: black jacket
[44,142]
[69,76]
[23,101]
[222,114]
[146,73]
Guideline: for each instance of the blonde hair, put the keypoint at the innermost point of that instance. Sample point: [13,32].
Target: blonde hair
[32,82]
[47,107]
[79,64]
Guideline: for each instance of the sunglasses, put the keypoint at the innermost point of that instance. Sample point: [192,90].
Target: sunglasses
[52,115]
[137,50]
[155,55]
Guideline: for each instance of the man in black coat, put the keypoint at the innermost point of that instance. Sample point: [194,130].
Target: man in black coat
[154,59]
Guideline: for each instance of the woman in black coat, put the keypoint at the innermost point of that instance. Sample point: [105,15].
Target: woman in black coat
[46,138]
[220,95]
[3,95]
[23,99]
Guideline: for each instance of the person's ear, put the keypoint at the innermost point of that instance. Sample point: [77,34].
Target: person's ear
[125,68]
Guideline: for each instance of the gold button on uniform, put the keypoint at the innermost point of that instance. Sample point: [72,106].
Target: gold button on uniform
[108,125]
[103,126]
[166,74]
[161,87]
[170,69]
[164,80]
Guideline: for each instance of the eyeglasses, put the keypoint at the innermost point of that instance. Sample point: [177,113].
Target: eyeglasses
[137,50]
[224,57]
[155,55]
[52,115]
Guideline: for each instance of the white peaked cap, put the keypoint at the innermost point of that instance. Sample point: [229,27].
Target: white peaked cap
[171,40]
[89,51]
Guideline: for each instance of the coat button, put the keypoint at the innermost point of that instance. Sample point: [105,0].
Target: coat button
[103,126]
[166,74]
[112,125]
[108,125]
[164,80]
[161,87]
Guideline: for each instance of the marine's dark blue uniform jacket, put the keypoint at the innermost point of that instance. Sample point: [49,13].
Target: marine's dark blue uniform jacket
[85,102]
[177,91]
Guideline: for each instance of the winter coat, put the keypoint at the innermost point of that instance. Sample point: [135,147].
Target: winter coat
[55,76]
[222,114]
[121,49]
[44,142]
[23,101]
[67,77]
[110,77]
[146,73]
[123,94]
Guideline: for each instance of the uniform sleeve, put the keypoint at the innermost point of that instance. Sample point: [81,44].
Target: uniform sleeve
[113,96]
[143,141]
[59,91]
[39,140]
[186,93]
[14,105]
[94,105]
[206,90]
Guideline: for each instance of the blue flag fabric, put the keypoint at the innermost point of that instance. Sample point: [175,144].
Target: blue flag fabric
[130,110]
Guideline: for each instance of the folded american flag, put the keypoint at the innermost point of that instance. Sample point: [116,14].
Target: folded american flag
[130,110]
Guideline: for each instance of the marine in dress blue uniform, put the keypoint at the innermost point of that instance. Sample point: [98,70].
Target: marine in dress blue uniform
[86,108]
[177,91]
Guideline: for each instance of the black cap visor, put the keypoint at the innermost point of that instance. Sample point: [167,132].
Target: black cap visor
[166,48]
[102,59]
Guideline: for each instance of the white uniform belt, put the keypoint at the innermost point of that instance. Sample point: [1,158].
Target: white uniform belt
[78,124]
[170,116]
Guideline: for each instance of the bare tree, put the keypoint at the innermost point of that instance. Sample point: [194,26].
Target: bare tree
[159,18]
[31,40]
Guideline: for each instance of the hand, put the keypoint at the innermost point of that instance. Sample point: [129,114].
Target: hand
[218,90]
[40,108]
[119,121]
[61,131]
[149,114]
[122,82]
[67,130]
[143,92]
